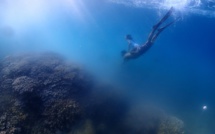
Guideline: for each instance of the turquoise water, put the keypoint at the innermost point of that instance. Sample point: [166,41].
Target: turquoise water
[177,74]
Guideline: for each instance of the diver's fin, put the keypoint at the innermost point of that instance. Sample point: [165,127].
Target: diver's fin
[166,16]
[161,29]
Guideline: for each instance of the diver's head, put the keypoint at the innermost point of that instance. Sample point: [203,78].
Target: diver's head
[128,37]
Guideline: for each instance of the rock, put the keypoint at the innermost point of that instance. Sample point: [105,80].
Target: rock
[24,84]
[42,93]
[56,116]
[10,121]
[86,128]
[148,119]
[171,125]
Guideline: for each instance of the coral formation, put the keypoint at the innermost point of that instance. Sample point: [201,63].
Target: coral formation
[43,94]
[147,119]
[171,125]
[40,93]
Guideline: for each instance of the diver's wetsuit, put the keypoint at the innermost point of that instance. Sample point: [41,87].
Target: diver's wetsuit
[152,36]
[142,49]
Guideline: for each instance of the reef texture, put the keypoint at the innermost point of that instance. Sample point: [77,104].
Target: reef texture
[171,125]
[40,94]
[44,94]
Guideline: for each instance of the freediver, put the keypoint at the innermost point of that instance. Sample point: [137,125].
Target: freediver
[135,50]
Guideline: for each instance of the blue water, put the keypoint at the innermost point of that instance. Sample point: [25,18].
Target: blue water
[177,74]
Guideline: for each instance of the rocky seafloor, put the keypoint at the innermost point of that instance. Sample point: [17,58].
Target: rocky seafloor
[45,94]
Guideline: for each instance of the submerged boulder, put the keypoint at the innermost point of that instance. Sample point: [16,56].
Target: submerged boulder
[40,93]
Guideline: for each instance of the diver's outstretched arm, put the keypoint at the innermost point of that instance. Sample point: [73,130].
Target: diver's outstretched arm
[155,27]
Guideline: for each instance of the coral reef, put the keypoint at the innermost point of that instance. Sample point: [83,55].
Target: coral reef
[149,119]
[40,93]
[171,125]
[43,94]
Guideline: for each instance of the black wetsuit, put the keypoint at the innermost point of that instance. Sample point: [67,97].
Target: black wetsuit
[143,48]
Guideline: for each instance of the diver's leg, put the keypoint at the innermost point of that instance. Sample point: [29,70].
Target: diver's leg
[161,29]
[156,35]
[151,34]
[155,27]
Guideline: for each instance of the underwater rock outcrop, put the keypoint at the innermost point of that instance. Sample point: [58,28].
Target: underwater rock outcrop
[148,119]
[40,93]
[171,125]
[44,94]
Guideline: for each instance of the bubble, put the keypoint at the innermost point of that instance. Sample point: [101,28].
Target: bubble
[204,107]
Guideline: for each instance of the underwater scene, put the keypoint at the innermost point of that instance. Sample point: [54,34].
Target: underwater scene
[107,67]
